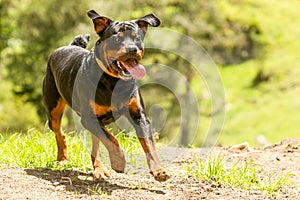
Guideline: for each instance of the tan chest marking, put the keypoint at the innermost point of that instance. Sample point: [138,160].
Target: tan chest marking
[99,110]
[133,105]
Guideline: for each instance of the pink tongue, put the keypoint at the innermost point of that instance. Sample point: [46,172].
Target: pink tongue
[138,71]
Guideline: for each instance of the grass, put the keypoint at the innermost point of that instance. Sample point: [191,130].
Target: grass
[246,176]
[38,150]
[97,190]
[264,110]
[35,149]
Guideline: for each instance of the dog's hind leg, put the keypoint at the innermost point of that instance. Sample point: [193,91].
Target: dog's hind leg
[55,121]
[55,107]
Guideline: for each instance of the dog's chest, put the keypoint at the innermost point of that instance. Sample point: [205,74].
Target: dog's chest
[112,101]
[108,113]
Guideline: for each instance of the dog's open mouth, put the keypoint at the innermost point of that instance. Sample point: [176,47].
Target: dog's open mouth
[130,68]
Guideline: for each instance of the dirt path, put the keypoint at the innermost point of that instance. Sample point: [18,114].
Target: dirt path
[283,157]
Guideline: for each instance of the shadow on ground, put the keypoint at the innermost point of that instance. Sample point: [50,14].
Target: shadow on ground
[82,183]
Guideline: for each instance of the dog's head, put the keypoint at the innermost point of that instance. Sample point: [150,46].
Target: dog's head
[120,47]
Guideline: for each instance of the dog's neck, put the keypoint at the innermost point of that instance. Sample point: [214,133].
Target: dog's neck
[104,69]
[97,75]
[100,62]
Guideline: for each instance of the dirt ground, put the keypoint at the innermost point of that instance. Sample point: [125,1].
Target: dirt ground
[283,157]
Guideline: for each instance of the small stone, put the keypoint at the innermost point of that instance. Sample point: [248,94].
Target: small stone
[55,183]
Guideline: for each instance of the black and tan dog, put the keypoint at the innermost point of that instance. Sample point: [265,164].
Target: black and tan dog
[100,86]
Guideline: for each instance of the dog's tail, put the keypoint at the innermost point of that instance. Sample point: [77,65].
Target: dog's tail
[81,40]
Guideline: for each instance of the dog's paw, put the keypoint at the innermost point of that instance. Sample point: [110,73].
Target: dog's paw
[119,166]
[117,160]
[101,173]
[62,162]
[160,175]
[62,158]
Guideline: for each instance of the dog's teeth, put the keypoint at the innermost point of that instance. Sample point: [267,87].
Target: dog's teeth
[135,62]
[118,63]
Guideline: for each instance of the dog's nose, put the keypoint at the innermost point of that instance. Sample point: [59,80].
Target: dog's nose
[131,50]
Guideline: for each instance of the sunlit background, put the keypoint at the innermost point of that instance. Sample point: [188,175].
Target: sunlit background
[255,45]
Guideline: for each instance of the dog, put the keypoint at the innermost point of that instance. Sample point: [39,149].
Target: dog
[81,40]
[100,86]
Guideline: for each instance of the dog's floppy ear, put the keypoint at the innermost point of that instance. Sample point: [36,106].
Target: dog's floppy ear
[100,22]
[150,19]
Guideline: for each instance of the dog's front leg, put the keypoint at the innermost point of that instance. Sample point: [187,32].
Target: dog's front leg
[100,171]
[116,155]
[144,132]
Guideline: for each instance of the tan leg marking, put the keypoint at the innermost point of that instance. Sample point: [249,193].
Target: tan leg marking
[134,104]
[56,115]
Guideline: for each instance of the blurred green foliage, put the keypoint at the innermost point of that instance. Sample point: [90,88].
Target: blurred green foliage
[255,43]
[38,27]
